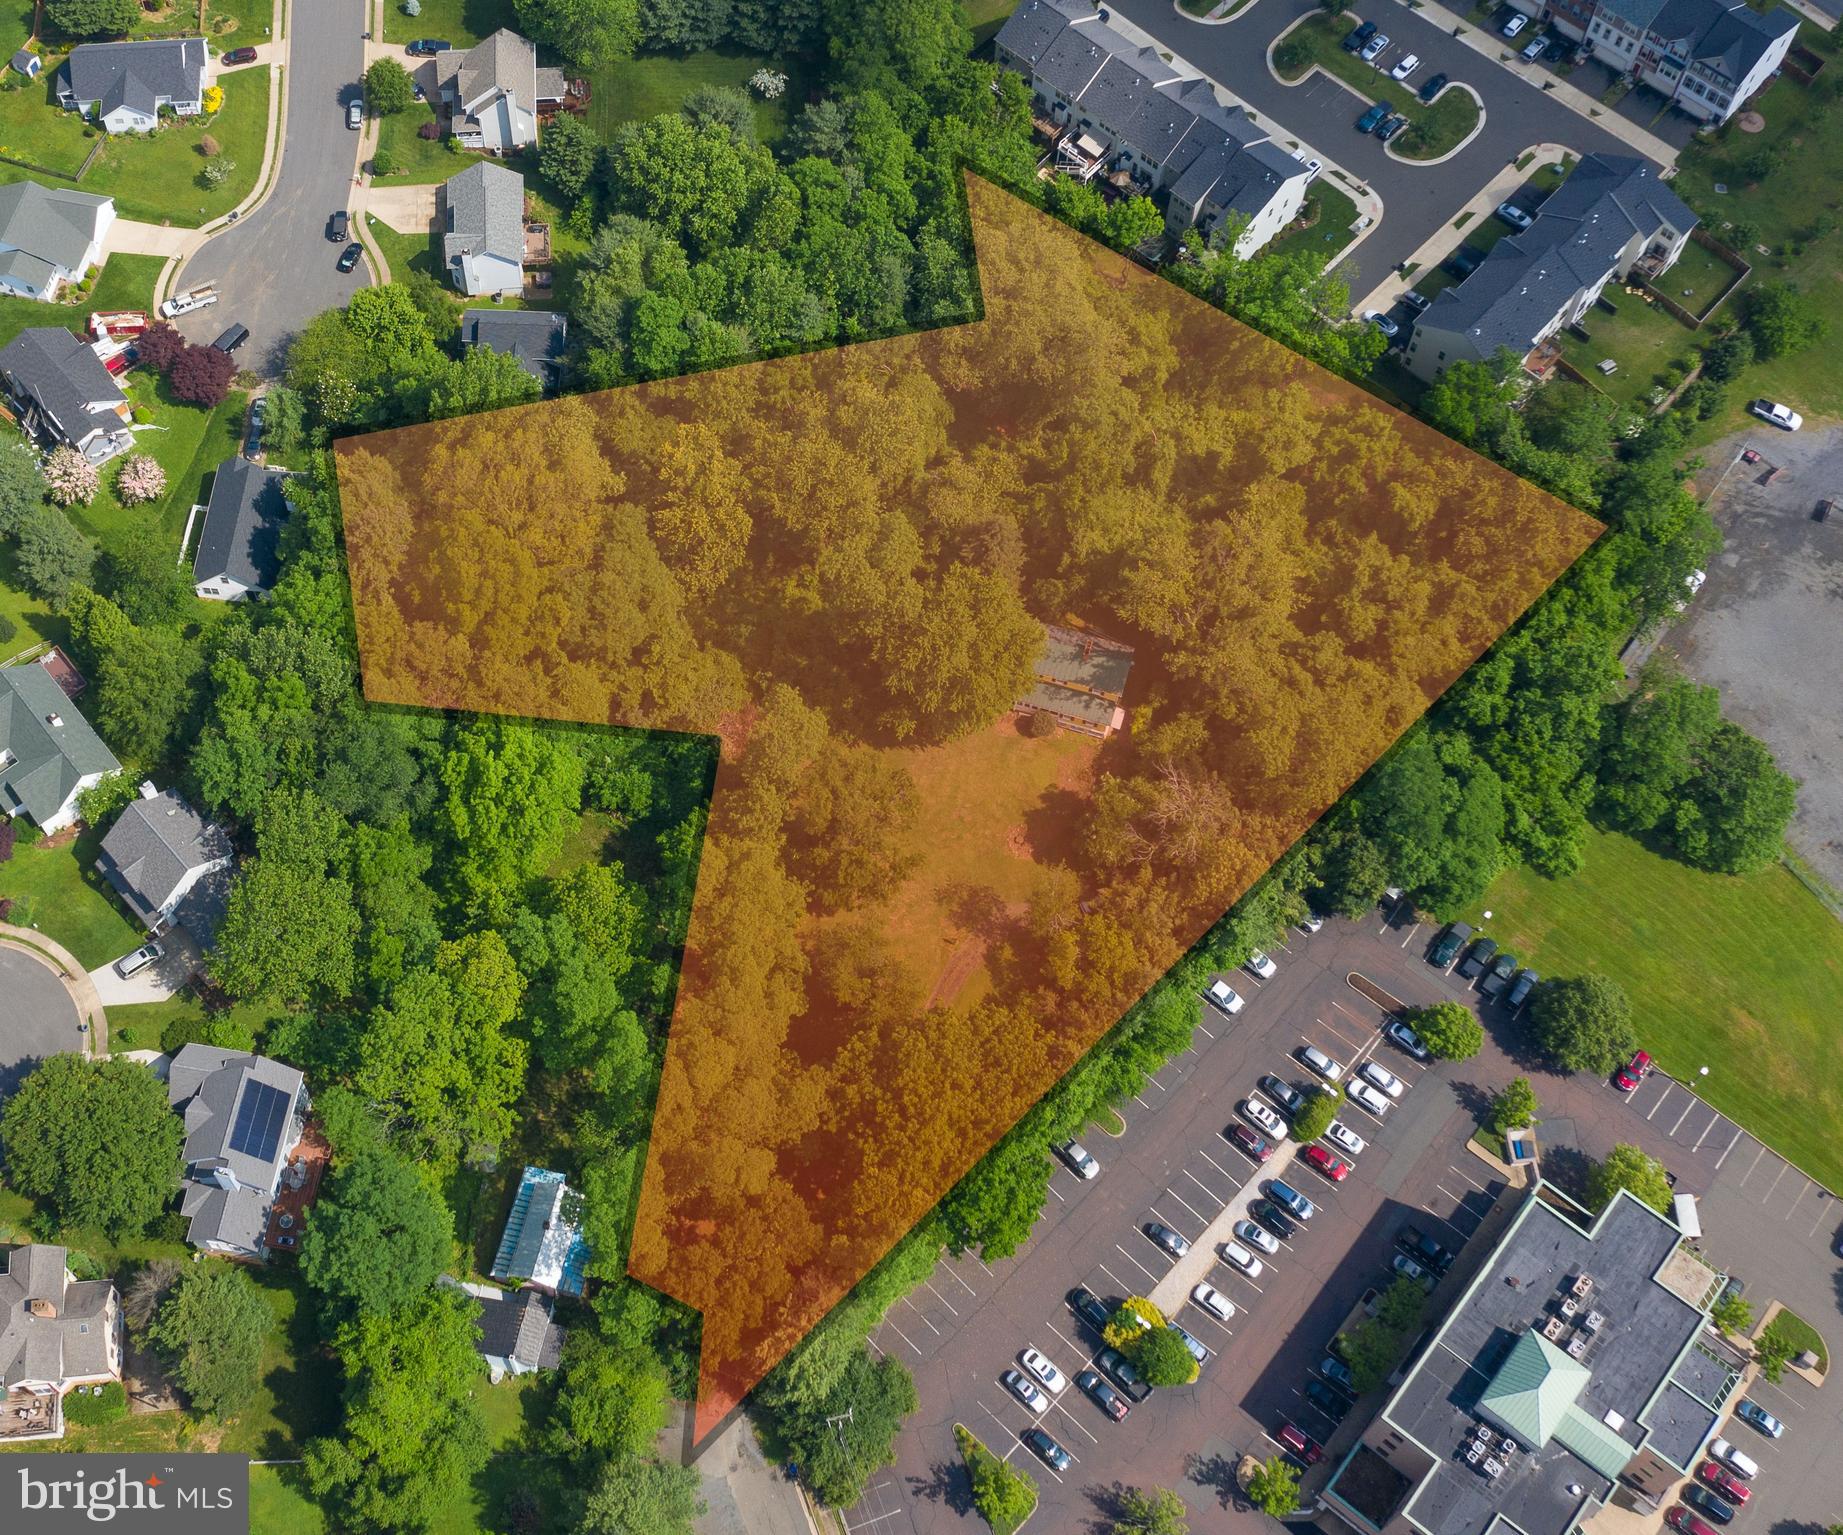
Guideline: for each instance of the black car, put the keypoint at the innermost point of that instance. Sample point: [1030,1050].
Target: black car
[1288,1100]
[1444,952]
[232,338]
[1501,972]
[338,226]
[349,257]
[1701,1498]
[1052,1453]
[1105,1397]
[1434,86]
[1424,1250]
[1475,963]
[1120,1371]
[427,47]
[1358,36]
[1462,264]
[1328,1400]
[1392,126]
[1273,1218]
[1090,1308]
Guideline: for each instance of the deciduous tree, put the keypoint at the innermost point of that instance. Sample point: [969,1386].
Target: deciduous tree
[1626,1167]
[1583,1023]
[388,87]
[1274,1487]
[210,1332]
[377,1237]
[201,375]
[642,1497]
[1515,1107]
[1158,1511]
[1448,1029]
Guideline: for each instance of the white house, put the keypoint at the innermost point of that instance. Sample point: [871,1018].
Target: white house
[1610,216]
[125,85]
[1706,57]
[49,237]
[244,1114]
[56,1333]
[48,753]
[239,547]
[1154,116]
[493,92]
[61,393]
[168,863]
[481,215]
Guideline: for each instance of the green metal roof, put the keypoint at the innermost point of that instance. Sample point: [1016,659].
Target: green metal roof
[1594,1442]
[1533,1389]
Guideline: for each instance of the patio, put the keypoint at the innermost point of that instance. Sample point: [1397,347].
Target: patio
[29,1415]
[300,1186]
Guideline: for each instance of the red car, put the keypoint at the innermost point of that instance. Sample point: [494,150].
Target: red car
[1633,1072]
[1724,1482]
[1686,1523]
[1299,1443]
[240,56]
[1245,1139]
[1327,1162]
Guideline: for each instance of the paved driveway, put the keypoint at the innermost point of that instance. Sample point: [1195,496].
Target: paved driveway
[274,268]
[156,982]
[39,1018]
[1417,200]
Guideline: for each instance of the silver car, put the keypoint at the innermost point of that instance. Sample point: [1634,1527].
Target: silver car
[133,964]
[1366,1097]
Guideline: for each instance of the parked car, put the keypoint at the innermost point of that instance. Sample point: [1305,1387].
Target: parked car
[1405,66]
[1402,1264]
[1328,1400]
[1724,1482]
[1498,977]
[232,338]
[1103,1395]
[1298,1443]
[1753,1413]
[1686,1522]
[1416,300]
[1090,1308]
[1433,87]
[427,47]
[1369,52]
[1046,1448]
[1273,1218]
[1237,1256]
[1337,1372]
[1213,1301]
[1311,923]
[1533,49]
[1515,217]
[1356,37]
[1514,25]
[1257,1237]
[1782,416]
[1380,1076]
[1345,1138]
[1633,1072]
[1366,1097]
[133,964]
[1264,1117]
[1192,1344]
[1423,1249]
[1464,261]
[1262,965]
[1383,323]
[1081,1161]
[1321,1063]
[1701,1499]
[1400,1034]
[1519,993]
[240,56]
[1483,952]
[338,227]
[1226,997]
[1297,1205]
[1327,1162]
[1119,1369]
[1372,117]
[1246,1140]
[1287,1098]
[1025,1391]
[350,256]
[1447,948]
[355,114]
[1044,1369]
[1737,1461]
[1391,126]
[1173,1242]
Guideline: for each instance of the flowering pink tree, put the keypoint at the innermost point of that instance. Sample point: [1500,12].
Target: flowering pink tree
[70,477]
[141,479]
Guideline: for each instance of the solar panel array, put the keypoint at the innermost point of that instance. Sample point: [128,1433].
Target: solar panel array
[259,1121]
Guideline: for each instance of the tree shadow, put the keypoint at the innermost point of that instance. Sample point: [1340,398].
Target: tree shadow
[1568,1168]
[1109,1502]
[1475,1099]
[1216,1473]
[949,1484]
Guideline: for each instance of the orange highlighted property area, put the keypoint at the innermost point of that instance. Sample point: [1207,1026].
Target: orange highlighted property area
[1031,643]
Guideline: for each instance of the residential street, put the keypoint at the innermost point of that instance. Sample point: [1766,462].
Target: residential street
[275,268]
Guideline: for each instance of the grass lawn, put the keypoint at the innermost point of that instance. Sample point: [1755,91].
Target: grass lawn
[57,890]
[1801,1335]
[1431,131]
[1641,338]
[1739,974]
[632,89]
[419,161]
[1329,231]
[279,1504]
[461,22]
[985,17]
[405,253]
[125,282]
[153,177]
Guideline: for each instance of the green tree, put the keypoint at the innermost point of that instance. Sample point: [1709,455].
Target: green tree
[1566,417]
[842,1433]
[1135,1317]
[22,486]
[1274,1488]
[1626,1167]
[851,831]
[1583,1023]
[1773,1353]
[1782,321]
[1402,1307]
[91,18]
[1159,1511]
[1725,359]
[511,793]
[1371,1349]
[1315,1118]
[588,33]
[377,1237]
[1352,873]
[642,1497]
[567,154]
[1514,1107]
[388,88]
[1448,1029]
[95,1141]
[54,558]
[1736,807]
[1732,1314]
[210,1332]
[1005,1498]
[143,690]
[728,106]
[139,573]
[611,1400]
[1161,1357]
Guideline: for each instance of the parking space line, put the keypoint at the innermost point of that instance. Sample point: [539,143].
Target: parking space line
[1159,1085]
[1058,1193]
[1057,1403]
[1822,1215]
[1186,1204]
[873,1519]
[1220,1201]
[1731,1145]
[1411,932]
[1467,1176]
[1801,1194]
[1336,1033]
[1218,1166]
[1212,1037]
[1752,1165]
[1683,1116]
[923,1315]
[1135,1262]
[1141,1102]
[1660,1099]
[1165,1220]
[906,1339]
[1784,1167]
[1705,1134]
[940,1297]
[1113,1276]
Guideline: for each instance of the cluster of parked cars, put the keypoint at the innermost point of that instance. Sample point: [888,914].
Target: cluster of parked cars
[1720,1489]
[1495,974]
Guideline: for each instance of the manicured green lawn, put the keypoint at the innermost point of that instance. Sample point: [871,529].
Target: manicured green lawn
[152,177]
[985,17]
[58,891]
[1801,1335]
[1329,231]
[461,22]
[125,282]
[405,253]
[1431,131]
[1642,338]
[232,23]
[419,160]
[1739,974]
[633,89]
[279,1504]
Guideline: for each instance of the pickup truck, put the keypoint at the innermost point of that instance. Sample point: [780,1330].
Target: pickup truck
[185,303]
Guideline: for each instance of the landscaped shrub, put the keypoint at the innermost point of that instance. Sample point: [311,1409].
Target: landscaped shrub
[429,130]
[7,630]
[201,375]
[140,479]
[383,162]
[89,1410]
[1037,725]
[158,345]
[7,834]
[70,478]
[208,146]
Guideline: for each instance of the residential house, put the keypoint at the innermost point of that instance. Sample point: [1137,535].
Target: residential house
[518,1330]
[1153,117]
[536,337]
[542,1243]
[1706,57]
[239,547]
[244,1114]
[493,92]
[125,85]
[168,863]
[56,1333]
[61,393]
[1081,681]
[48,753]
[481,215]
[49,237]
[1611,216]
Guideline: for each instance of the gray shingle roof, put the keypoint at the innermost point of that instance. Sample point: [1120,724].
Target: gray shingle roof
[1637,12]
[1031,28]
[486,213]
[65,378]
[51,223]
[519,1327]
[48,760]
[139,75]
[536,337]
[241,538]
[1738,38]
[206,1085]
[73,1343]
[504,60]
[153,845]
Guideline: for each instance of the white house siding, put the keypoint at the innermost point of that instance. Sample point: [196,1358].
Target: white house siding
[67,812]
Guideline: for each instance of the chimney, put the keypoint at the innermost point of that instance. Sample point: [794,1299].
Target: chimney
[55,721]
[146,789]
[42,1307]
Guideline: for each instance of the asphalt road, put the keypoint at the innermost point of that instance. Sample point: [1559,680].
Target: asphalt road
[275,268]
[1417,199]
[39,1018]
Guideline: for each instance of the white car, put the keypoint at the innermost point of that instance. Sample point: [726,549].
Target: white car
[1409,1269]
[1312,922]
[1080,1159]
[1025,1391]
[1237,1256]
[1263,1118]
[1515,25]
[1407,66]
[1225,997]
[1262,965]
[1044,1370]
[1346,1139]
[1692,583]
[1782,416]
[1737,1461]
[1382,1077]
[1321,1063]
[133,964]
[1366,1097]
[1257,1236]
[1212,1300]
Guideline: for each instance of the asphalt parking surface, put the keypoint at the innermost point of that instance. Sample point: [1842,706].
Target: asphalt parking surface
[39,1018]
[1418,200]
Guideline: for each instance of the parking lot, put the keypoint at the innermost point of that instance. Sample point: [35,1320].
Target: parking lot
[1173,1165]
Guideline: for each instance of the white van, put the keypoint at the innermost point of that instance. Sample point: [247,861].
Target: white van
[1737,1461]
[1321,1063]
